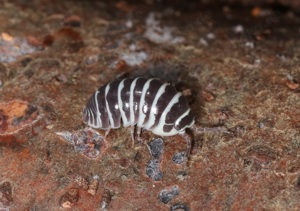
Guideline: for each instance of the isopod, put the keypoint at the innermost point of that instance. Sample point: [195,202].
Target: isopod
[144,103]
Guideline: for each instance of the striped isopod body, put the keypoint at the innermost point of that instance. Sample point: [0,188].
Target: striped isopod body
[147,103]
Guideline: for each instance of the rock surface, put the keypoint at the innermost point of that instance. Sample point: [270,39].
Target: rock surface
[239,61]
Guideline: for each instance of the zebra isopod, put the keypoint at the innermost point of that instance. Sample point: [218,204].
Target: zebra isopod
[147,104]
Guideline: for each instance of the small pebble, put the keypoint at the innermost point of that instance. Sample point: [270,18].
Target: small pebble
[207,96]
[249,44]
[34,41]
[7,37]
[153,170]
[156,148]
[181,175]
[211,36]
[203,42]
[6,197]
[69,198]
[61,78]
[81,182]
[292,84]
[92,59]
[106,199]
[179,207]
[17,115]
[121,65]
[93,187]
[238,29]
[179,158]
[86,141]
[73,21]
[167,194]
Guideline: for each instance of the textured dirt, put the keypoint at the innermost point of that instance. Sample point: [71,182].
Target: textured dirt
[237,62]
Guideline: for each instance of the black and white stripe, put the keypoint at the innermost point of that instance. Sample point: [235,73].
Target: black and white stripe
[147,103]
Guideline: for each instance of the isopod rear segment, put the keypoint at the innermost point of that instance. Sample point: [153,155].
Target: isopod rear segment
[145,103]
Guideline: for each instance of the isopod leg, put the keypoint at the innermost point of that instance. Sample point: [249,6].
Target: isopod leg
[106,133]
[188,138]
[210,129]
[138,134]
[132,134]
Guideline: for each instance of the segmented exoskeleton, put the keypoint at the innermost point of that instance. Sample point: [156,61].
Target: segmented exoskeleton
[146,103]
